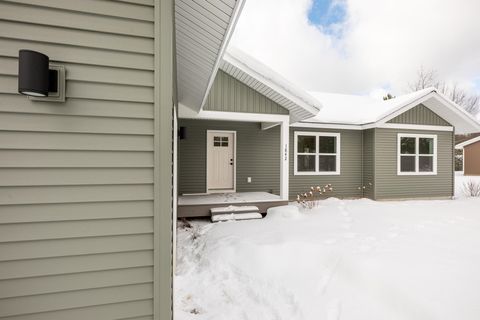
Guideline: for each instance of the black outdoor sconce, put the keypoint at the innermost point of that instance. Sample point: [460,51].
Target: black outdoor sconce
[182,133]
[39,79]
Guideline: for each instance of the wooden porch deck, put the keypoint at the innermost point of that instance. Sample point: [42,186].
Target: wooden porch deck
[200,205]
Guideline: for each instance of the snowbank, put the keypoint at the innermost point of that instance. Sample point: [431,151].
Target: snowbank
[355,259]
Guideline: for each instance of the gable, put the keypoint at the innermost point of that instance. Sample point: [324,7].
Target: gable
[421,115]
[231,95]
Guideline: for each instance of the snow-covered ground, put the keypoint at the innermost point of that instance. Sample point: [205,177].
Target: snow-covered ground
[346,259]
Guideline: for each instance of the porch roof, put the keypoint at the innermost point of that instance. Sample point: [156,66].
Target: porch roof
[259,77]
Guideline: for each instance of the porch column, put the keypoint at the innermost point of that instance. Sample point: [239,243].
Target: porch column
[284,132]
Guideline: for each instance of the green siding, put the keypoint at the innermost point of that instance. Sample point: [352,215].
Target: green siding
[229,94]
[347,184]
[391,186]
[258,153]
[420,115]
[369,163]
[84,232]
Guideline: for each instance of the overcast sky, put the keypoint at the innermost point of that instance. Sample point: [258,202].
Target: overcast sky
[363,46]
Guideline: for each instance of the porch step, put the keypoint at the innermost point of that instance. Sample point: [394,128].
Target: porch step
[235,213]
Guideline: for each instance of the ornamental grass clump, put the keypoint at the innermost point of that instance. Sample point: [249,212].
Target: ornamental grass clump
[471,188]
[310,199]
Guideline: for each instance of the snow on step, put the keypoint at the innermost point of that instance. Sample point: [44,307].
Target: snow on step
[236,216]
[233,209]
[235,213]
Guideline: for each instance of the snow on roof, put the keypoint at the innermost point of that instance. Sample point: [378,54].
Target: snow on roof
[358,110]
[466,143]
[261,78]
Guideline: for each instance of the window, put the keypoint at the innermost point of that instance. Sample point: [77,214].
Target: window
[317,153]
[220,141]
[417,154]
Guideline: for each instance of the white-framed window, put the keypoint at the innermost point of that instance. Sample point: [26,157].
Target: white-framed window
[416,154]
[316,153]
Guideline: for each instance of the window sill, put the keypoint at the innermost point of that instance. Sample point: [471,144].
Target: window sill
[316,173]
[416,173]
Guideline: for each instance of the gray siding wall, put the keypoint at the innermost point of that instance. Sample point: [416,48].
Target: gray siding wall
[76,178]
[369,163]
[420,115]
[347,184]
[229,94]
[258,156]
[391,186]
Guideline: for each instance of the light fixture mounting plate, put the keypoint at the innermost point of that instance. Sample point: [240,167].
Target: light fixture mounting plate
[59,95]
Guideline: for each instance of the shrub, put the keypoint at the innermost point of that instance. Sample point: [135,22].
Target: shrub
[310,199]
[471,188]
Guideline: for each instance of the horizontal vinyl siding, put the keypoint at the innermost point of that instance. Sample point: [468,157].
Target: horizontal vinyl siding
[348,183]
[229,94]
[391,186]
[368,183]
[421,115]
[471,162]
[76,178]
[257,156]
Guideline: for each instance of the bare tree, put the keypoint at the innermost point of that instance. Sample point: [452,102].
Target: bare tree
[429,78]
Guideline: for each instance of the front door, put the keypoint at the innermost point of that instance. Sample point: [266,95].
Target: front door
[220,161]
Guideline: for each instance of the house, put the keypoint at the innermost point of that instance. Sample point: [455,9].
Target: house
[471,156]
[87,199]
[260,141]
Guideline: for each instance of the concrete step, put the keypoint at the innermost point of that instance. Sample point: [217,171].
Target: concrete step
[233,209]
[236,216]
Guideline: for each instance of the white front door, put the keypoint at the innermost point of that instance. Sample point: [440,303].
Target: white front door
[220,161]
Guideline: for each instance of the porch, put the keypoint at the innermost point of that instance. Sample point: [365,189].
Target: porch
[230,159]
[199,205]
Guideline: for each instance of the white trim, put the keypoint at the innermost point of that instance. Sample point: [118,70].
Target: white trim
[234,163]
[226,39]
[417,154]
[317,154]
[187,113]
[467,143]
[371,126]
[318,125]
[284,159]
[413,127]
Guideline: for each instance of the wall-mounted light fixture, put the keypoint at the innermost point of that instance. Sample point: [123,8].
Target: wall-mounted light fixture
[182,133]
[38,78]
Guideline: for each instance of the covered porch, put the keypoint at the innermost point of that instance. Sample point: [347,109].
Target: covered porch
[231,159]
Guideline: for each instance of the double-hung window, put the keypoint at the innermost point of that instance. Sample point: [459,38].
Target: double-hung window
[316,153]
[417,154]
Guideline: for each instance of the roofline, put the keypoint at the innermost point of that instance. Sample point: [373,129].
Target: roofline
[440,97]
[226,39]
[382,120]
[312,106]
[402,108]
[466,143]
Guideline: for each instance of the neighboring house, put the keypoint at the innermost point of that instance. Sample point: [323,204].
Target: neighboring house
[471,156]
[258,133]
[87,200]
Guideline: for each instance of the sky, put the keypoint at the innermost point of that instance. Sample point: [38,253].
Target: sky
[363,46]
